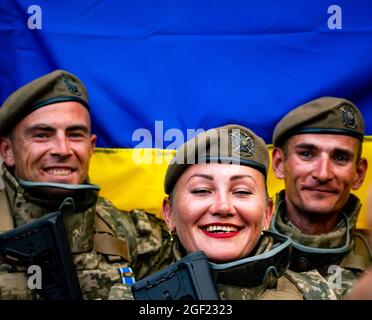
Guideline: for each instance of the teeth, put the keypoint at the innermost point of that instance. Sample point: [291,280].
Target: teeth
[59,172]
[221,229]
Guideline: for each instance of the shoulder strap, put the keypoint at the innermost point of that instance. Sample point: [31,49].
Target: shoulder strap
[106,242]
[6,217]
[361,256]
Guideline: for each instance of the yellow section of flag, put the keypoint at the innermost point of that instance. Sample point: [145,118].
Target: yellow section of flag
[133,178]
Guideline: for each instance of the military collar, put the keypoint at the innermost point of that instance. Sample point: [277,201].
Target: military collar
[49,196]
[25,208]
[315,251]
[261,269]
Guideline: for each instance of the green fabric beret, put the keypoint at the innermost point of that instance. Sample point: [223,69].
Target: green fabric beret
[230,144]
[324,115]
[57,86]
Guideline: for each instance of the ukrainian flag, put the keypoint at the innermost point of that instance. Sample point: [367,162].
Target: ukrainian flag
[157,71]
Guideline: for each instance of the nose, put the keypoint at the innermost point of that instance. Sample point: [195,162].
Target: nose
[223,205]
[61,147]
[323,169]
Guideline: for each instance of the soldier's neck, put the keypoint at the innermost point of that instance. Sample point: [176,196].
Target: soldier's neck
[311,223]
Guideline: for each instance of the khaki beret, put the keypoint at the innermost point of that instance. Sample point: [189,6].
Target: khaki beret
[57,86]
[230,144]
[324,115]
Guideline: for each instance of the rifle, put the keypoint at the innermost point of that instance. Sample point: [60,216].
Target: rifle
[43,242]
[187,279]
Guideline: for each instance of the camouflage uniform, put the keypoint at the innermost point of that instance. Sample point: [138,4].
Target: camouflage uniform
[145,237]
[286,285]
[352,263]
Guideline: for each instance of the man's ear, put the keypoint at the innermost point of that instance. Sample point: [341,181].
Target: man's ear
[168,214]
[6,151]
[361,169]
[93,140]
[278,163]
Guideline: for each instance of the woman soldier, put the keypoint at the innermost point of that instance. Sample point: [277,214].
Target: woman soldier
[218,203]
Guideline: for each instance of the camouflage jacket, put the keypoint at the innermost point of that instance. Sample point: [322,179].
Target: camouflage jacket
[144,236]
[279,285]
[340,269]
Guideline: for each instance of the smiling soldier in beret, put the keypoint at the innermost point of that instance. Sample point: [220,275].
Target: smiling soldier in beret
[218,204]
[46,145]
[317,151]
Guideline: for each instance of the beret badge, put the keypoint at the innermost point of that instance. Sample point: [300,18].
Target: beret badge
[71,86]
[348,117]
[242,144]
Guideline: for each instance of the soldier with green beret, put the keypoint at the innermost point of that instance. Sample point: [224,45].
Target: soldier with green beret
[317,152]
[218,204]
[46,145]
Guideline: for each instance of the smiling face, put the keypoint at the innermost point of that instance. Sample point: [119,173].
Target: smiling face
[220,209]
[52,144]
[319,171]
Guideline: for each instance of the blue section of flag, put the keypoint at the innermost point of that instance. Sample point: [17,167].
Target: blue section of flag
[191,64]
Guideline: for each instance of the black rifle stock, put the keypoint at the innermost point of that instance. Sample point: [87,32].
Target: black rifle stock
[43,242]
[187,279]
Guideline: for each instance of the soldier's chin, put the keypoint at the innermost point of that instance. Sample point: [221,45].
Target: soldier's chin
[319,210]
[65,180]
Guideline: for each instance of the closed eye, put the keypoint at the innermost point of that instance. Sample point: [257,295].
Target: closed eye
[242,192]
[200,191]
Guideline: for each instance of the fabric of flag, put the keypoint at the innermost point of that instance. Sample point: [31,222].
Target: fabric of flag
[157,71]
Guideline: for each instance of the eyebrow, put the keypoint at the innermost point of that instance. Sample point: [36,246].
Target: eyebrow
[314,147]
[232,178]
[197,175]
[242,176]
[46,127]
[78,127]
[306,146]
[39,126]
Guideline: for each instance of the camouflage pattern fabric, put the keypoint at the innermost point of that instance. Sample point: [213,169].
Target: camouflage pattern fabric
[333,239]
[312,285]
[146,236]
[120,292]
[291,286]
